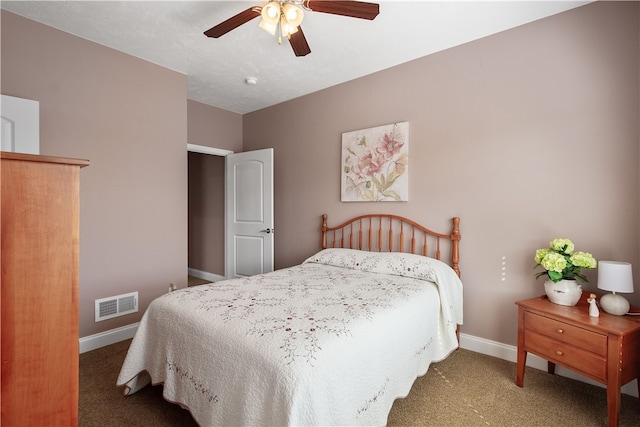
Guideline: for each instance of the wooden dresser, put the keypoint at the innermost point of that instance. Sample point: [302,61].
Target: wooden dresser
[39,289]
[605,349]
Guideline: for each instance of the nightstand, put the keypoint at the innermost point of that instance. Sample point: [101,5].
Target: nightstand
[605,349]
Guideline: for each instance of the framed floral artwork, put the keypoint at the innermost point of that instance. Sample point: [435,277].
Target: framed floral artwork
[375,164]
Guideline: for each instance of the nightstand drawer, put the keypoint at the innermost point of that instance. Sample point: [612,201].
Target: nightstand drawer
[568,334]
[565,354]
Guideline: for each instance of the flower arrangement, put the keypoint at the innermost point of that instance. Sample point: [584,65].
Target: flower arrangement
[561,262]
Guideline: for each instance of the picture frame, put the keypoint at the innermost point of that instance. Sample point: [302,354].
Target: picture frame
[375,164]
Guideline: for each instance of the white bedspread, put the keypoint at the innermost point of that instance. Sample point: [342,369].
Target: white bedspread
[333,341]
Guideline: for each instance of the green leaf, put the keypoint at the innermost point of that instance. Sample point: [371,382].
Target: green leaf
[542,273]
[555,276]
[392,194]
[394,177]
[367,195]
[376,183]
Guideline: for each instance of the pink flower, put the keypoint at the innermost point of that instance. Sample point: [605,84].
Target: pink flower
[387,147]
[368,163]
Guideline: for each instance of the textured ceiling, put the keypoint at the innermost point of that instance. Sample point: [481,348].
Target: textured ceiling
[170,33]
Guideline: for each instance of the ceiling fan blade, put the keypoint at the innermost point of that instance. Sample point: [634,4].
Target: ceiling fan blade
[354,9]
[233,22]
[299,43]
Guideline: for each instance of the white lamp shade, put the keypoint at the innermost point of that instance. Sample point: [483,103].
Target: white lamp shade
[294,14]
[269,27]
[615,276]
[271,13]
[286,28]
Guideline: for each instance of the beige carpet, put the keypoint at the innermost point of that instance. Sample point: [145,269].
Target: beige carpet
[195,281]
[467,389]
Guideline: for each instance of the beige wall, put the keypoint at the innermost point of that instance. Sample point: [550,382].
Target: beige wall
[129,118]
[213,127]
[527,135]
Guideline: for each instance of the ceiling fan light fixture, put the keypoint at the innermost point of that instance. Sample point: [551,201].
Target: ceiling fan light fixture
[294,14]
[269,27]
[271,13]
[283,18]
[286,28]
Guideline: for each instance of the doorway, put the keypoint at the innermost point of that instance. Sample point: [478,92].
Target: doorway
[230,213]
[206,258]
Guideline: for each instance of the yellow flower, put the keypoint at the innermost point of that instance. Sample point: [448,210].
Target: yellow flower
[560,262]
[562,245]
[554,262]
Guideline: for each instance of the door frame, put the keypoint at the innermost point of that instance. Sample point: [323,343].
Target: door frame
[226,153]
[208,150]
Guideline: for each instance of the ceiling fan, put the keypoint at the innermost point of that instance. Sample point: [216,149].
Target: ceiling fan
[285,16]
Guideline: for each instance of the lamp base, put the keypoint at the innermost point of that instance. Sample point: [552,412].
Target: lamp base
[615,304]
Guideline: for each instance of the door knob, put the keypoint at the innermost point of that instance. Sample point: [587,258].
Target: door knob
[267,230]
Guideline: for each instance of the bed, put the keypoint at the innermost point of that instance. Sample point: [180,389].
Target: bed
[331,341]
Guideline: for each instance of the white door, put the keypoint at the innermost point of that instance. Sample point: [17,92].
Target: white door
[20,125]
[249,213]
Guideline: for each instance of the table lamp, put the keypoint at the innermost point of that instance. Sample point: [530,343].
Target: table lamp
[615,276]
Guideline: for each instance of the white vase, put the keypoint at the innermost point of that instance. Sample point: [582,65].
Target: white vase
[563,292]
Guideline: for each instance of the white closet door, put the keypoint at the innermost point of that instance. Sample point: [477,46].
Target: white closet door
[20,125]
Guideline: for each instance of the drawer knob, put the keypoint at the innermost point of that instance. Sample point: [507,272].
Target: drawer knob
[558,353]
[560,331]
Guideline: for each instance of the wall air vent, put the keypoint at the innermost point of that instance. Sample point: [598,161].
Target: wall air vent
[119,305]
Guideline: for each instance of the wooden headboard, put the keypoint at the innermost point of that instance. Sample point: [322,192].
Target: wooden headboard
[393,233]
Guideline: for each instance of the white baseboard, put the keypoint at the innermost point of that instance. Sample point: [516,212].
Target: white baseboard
[467,342]
[205,275]
[103,339]
[510,353]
